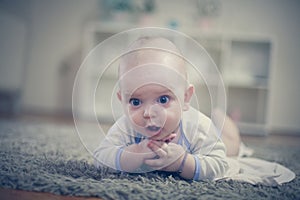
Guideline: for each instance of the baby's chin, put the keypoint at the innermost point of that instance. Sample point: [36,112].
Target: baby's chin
[159,134]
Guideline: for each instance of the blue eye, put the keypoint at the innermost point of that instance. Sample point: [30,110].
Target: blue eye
[135,102]
[163,99]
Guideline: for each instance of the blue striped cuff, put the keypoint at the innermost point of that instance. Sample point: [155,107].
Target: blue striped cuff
[197,169]
[118,158]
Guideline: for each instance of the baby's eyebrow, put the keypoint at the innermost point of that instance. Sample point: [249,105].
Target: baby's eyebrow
[129,94]
[165,92]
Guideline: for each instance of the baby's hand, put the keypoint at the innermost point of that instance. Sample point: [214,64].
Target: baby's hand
[133,156]
[144,150]
[170,156]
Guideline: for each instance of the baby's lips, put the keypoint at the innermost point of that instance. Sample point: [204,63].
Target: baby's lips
[153,128]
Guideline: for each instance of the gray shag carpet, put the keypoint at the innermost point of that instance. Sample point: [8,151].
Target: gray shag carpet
[47,157]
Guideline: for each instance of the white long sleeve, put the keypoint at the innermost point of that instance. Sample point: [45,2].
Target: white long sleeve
[198,137]
[203,142]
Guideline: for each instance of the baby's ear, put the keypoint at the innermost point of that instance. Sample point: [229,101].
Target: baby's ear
[187,97]
[119,95]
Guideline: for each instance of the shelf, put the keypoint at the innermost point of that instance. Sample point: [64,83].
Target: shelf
[249,58]
[244,62]
[247,82]
[247,104]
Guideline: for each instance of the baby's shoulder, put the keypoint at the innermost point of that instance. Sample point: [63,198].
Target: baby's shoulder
[195,122]
[195,118]
[121,125]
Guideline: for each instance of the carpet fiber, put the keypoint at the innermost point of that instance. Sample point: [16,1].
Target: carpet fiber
[49,157]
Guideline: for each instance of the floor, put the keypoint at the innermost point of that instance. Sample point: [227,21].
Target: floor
[273,139]
[8,194]
[289,140]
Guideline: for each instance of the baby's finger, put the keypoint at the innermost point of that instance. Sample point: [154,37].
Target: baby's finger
[158,148]
[159,144]
[155,163]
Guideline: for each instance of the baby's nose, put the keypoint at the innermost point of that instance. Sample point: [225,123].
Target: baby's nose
[155,112]
[150,111]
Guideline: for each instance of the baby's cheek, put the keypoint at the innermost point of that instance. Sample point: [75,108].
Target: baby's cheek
[176,115]
[136,118]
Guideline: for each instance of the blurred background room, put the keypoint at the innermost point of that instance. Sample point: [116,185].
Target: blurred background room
[254,43]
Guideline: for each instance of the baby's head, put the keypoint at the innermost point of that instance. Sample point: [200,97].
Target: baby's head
[153,85]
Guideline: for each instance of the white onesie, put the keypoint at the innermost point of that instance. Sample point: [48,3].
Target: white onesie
[198,136]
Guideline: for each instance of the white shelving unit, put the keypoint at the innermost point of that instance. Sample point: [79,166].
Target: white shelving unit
[245,64]
[243,60]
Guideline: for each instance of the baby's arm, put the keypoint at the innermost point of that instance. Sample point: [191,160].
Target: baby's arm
[206,160]
[207,149]
[200,165]
[210,156]
[119,151]
[211,165]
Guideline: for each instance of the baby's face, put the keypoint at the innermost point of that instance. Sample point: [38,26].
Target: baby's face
[154,95]
[154,111]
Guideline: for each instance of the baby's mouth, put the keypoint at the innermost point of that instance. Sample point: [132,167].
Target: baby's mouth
[155,132]
[153,128]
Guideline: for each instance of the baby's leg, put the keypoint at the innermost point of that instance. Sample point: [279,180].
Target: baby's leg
[230,132]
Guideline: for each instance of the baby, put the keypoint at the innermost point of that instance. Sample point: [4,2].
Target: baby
[159,129]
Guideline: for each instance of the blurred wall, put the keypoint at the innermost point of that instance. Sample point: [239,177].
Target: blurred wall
[54,41]
[13,33]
